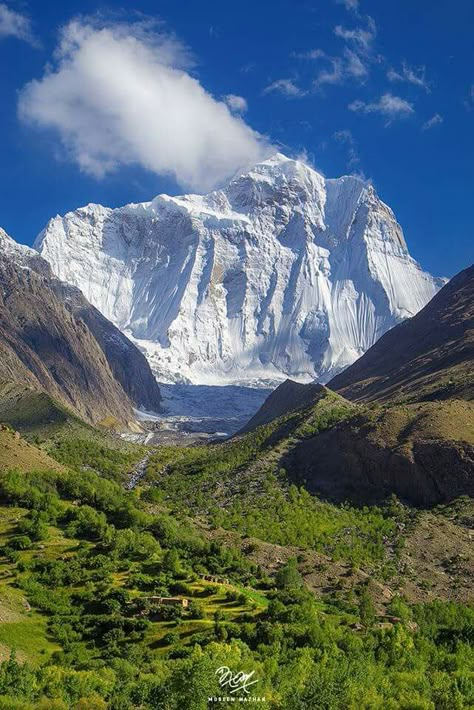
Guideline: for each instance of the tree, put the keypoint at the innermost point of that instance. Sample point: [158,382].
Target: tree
[288,576]
[366,608]
[171,562]
[196,611]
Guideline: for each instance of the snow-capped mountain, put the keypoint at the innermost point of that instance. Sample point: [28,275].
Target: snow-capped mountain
[281,273]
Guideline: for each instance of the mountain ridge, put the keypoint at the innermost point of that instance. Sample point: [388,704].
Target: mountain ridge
[46,342]
[427,357]
[411,427]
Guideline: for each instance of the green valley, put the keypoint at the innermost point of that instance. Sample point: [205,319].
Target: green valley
[132,599]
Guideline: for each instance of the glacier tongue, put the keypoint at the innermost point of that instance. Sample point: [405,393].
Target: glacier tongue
[282,273]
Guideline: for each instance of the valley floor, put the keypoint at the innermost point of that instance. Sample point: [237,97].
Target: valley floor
[194,413]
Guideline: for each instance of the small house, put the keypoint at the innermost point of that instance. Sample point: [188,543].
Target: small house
[174,601]
[170,601]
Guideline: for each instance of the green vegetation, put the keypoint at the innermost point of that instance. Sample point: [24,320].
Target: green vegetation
[239,486]
[88,453]
[330,410]
[32,412]
[98,636]
[130,600]
[299,519]
[61,435]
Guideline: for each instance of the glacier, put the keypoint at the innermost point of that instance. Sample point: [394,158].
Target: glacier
[281,273]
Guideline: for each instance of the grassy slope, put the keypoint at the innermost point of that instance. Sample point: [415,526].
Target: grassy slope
[19,454]
[241,486]
[39,417]
[21,627]
[30,411]
[25,629]
[422,452]
[55,435]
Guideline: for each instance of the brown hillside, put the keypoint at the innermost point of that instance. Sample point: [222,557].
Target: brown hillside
[429,357]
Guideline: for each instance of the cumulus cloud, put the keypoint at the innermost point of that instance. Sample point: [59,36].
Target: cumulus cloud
[236,103]
[14,24]
[287,87]
[410,75]
[122,94]
[388,105]
[433,121]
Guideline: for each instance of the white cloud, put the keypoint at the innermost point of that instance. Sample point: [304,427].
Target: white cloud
[355,60]
[346,138]
[122,94]
[333,75]
[469,100]
[311,54]
[360,37]
[410,75]
[356,56]
[349,4]
[286,87]
[388,105]
[14,24]
[236,103]
[354,65]
[349,66]
[433,121]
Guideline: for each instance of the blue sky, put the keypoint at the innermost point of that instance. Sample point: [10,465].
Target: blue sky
[115,106]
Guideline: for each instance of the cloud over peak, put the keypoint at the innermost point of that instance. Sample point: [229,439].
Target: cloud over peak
[121,94]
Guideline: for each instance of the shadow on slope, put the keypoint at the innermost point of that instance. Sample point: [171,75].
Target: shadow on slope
[424,453]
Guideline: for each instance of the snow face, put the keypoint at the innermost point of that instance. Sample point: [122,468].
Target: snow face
[280,274]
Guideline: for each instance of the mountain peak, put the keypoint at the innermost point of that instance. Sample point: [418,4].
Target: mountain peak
[277,159]
[282,273]
[20,253]
[280,164]
[7,244]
